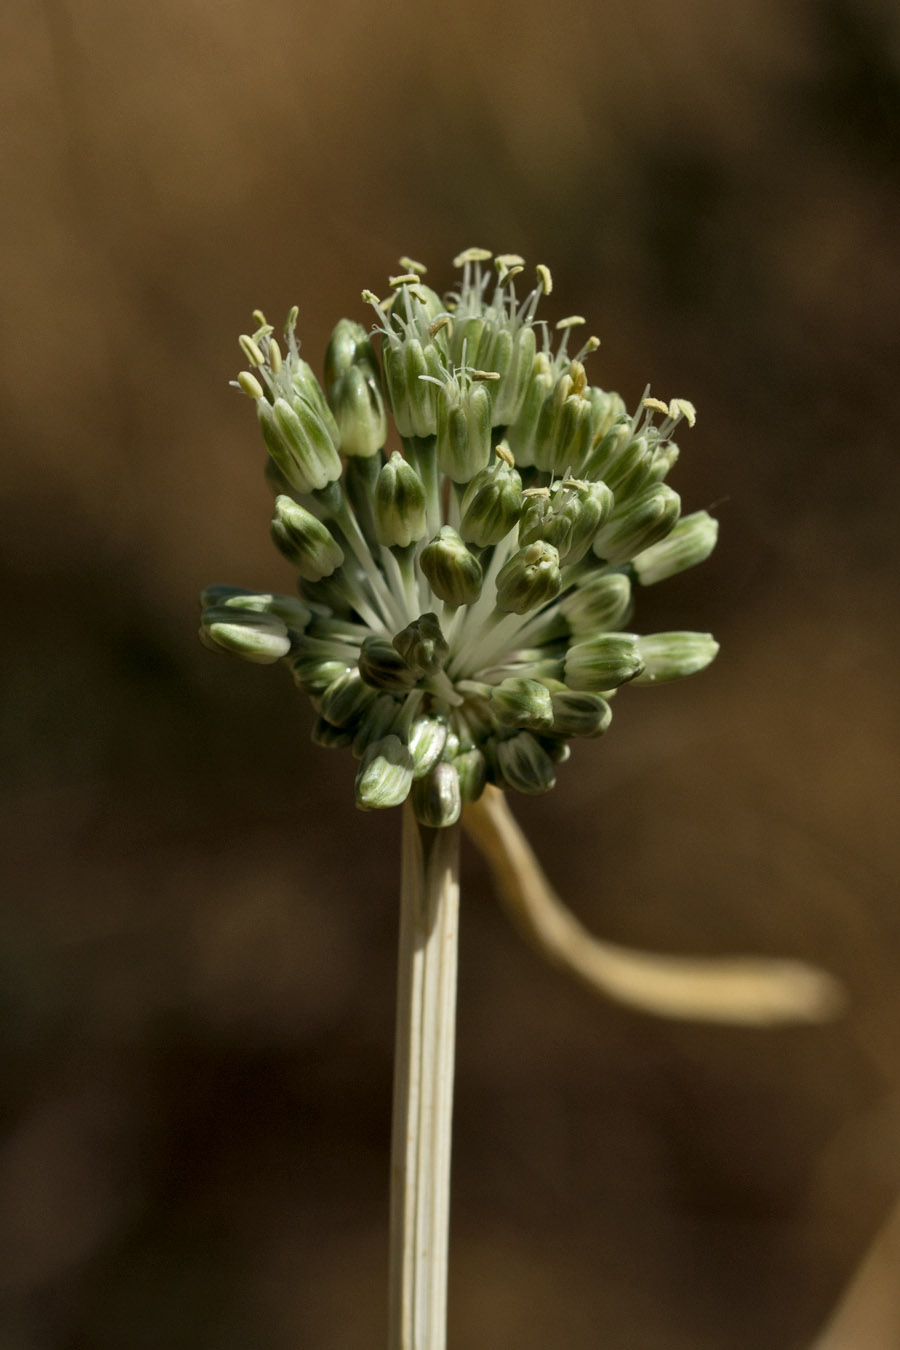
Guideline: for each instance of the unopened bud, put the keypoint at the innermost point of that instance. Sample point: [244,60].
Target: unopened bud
[524,764]
[355,399]
[603,662]
[672,656]
[453,573]
[422,644]
[517,702]
[427,739]
[636,524]
[530,578]
[436,798]
[491,504]
[304,540]
[599,604]
[579,714]
[691,541]
[385,775]
[260,638]
[300,443]
[382,666]
[399,504]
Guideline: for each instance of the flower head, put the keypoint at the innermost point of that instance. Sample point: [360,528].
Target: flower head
[464,588]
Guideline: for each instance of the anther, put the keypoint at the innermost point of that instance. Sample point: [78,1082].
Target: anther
[274,356]
[412,266]
[250,385]
[251,351]
[545,281]
[472,255]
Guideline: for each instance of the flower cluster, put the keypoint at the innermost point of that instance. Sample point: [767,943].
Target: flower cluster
[464,598]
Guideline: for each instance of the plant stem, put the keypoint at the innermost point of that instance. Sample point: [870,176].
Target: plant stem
[423,1086]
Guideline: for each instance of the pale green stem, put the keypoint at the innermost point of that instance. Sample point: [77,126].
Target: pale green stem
[423,1086]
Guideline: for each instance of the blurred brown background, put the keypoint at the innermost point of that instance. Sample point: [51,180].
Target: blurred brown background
[198,935]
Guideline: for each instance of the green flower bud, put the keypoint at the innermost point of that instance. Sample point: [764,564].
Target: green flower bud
[330,737]
[517,702]
[471,768]
[524,764]
[304,540]
[606,410]
[260,638]
[306,389]
[603,662]
[600,603]
[422,644]
[529,579]
[286,607]
[672,656]
[358,407]
[300,443]
[349,346]
[491,504]
[314,673]
[413,400]
[463,429]
[344,701]
[691,542]
[579,714]
[399,504]
[508,394]
[377,721]
[436,797]
[522,432]
[385,775]
[453,573]
[563,434]
[427,740]
[636,524]
[382,666]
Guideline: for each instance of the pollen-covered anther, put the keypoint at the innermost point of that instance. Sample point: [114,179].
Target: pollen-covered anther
[545,280]
[274,356]
[573,321]
[470,255]
[682,407]
[251,350]
[504,453]
[410,265]
[250,385]
[655,405]
[406,279]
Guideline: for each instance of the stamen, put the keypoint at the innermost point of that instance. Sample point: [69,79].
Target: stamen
[472,255]
[274,356]
[250,385]
[545,280]
[403,280]
[412,266]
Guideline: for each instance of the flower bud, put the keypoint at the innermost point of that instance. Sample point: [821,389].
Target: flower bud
[636,524]
[358,407]
[304,540]
[579,714]
[377,721]
[300,443]
[436,797]
[672,656]
[422,644]
[508,394]
[382,666]
[563,434]
[606,409]
[491,504]
[313,673]
[385,775]
[524,703]
[344,701]
[603,662]
[599,604]
[691,541]
[463,429]
[530,578]
[399,504]
[349,346]
[330,737]
[471,768]
[427,739]
[413,400]
[524,764]
[260,638]
[453,573]
[522,433]
[286,607]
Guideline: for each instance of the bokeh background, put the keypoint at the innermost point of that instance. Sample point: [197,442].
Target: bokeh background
[198,934]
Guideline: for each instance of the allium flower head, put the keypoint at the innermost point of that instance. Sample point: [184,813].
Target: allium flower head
[466,581]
